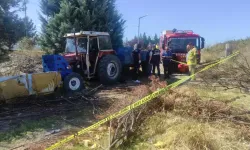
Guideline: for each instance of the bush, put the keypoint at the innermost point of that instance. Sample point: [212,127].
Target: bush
[26,44]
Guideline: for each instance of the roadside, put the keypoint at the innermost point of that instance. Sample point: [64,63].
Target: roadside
[42,121]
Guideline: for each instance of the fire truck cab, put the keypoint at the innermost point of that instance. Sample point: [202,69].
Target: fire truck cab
[177,41]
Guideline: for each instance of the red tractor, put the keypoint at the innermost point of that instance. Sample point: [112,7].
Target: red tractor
[88,54]
[177,40]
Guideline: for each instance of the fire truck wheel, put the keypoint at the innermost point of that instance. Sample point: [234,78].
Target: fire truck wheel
[73,82]
[109,70]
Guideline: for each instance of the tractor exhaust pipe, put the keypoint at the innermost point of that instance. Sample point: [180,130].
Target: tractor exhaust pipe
[75,42]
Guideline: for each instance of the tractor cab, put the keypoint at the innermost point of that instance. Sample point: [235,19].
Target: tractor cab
[84,50]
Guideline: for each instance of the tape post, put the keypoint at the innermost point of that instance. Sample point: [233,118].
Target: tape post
[138,103]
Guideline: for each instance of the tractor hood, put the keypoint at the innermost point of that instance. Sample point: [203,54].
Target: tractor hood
[70,57]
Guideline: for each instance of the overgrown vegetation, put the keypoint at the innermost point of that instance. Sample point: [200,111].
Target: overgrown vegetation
[235,73]
[187,121]
[26,44]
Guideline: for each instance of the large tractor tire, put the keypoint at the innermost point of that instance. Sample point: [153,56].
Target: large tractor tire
[73,83]
[109,69]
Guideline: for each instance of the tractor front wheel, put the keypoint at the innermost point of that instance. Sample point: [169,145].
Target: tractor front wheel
[73,82]
[109,70]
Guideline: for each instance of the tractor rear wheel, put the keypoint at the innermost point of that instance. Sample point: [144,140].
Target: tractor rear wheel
[109,69]
[73,82]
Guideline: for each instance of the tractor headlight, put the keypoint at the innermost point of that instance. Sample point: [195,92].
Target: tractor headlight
[69,67]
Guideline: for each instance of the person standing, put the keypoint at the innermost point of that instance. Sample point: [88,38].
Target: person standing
[149,59]
[137,61]
[156,59]
[167,56]
[192,59]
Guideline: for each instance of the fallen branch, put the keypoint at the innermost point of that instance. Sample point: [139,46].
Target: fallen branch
[69,101]
[93,90]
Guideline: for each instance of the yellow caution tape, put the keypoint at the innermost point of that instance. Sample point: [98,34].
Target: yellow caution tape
[136,104]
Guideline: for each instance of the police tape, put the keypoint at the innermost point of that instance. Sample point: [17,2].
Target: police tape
[137,104]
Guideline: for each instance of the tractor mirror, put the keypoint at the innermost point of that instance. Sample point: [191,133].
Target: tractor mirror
[202,42]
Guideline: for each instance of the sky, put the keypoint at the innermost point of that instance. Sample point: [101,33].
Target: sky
[215,20]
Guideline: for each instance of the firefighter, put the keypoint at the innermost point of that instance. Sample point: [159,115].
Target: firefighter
[149,59]
[156,59]
[137,61]
[167,65]
[192,59]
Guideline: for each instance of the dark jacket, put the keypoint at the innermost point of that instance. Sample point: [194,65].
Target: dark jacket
[136,54]
[167,56]
[148,56]
[156,57]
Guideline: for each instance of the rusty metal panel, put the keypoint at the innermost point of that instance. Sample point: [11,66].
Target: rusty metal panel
[28,84]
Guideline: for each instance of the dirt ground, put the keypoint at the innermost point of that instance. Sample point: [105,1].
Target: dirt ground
[37,122]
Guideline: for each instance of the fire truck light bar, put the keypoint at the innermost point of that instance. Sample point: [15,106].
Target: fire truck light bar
[178,31]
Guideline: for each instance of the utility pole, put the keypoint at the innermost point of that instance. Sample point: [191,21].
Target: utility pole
[47,11]
[139,28]
[25,2]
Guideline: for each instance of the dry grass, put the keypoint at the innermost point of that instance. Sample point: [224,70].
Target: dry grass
[18,62]
[218,50]
[231,75]
[173,132]
[189,122]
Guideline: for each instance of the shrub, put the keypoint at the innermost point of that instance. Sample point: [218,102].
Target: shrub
[26,44]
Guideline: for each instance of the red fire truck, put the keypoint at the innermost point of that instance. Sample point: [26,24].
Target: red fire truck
[177,40]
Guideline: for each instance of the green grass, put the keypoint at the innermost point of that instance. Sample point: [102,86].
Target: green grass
[27,128]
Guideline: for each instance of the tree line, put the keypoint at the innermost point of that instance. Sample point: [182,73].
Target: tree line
[144,40]
[59,17]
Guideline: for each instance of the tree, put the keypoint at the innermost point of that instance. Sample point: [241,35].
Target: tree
[12,27]
[85,15]
[150,40]
[48,9]
[156,39]
[134,41]
[5,6]
[145,40]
